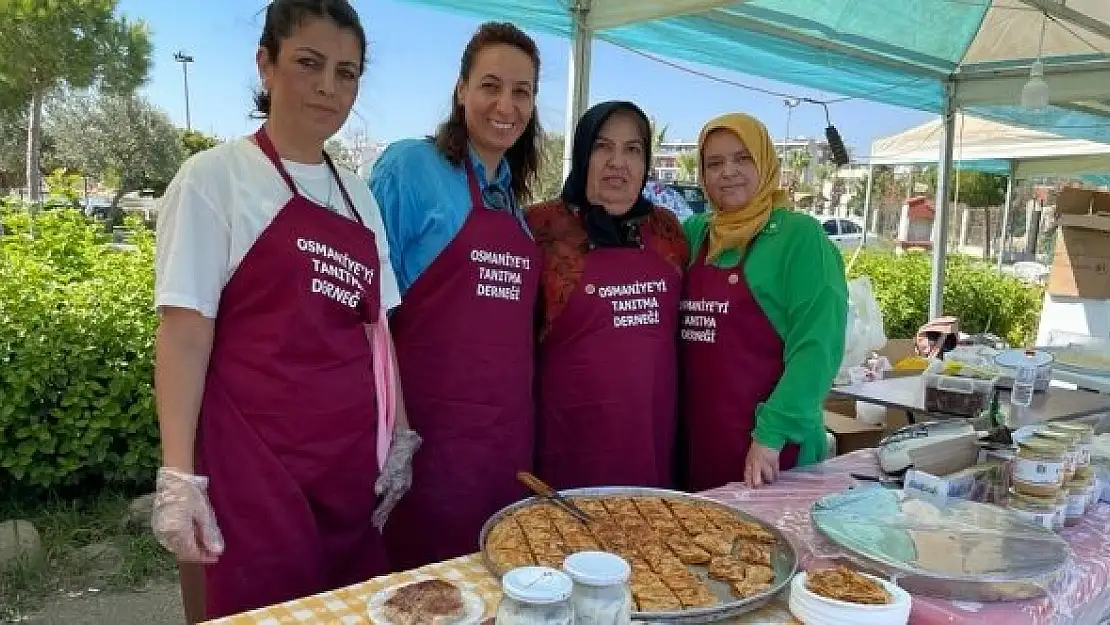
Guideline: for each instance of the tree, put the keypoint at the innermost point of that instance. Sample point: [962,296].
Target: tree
[687,166]
[194,142]
[122,137]
[79,43]
[658,134]
[549,179]
[341,154]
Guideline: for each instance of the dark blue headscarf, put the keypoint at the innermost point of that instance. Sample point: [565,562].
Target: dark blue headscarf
[603,229]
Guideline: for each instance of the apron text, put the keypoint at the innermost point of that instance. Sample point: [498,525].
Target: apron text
[344,278]
[634,304]
[504,279]
[699,320]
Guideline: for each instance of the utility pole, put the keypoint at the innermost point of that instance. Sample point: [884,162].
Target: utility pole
[185,59]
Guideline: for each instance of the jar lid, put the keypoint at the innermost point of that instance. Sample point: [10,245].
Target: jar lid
[1067,438]
[1071,427]
[1043,446]
[1043,503]
[1079,483]
[1014,358]
[597,568]
[537,585]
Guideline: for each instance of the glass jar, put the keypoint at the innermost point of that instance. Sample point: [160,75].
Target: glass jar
[1086,477]
[1070,442]
[1086,434]
[601,594]
[535,595]
[1037,510]
[1079,495]
[1038,468]
[1061,510]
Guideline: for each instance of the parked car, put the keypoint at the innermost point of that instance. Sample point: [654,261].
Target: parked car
[845,232]
[692,194]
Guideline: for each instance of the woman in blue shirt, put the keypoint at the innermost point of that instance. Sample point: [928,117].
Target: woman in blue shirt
[468,271]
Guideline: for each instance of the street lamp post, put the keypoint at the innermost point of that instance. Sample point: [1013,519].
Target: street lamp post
[185,59]
[790,104]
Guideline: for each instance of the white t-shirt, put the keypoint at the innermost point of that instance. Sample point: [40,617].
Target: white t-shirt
[217,206]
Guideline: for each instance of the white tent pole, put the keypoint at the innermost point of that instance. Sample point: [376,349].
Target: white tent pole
[578,75]
[940,223]
[867,201]
[1006,214]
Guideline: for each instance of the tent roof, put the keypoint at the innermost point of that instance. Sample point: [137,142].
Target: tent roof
[902,53]
[990,146]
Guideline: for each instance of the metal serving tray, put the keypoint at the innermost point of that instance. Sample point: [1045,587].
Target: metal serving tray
[784,559]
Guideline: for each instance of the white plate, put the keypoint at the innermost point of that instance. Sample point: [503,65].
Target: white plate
[813,609]
[475,606]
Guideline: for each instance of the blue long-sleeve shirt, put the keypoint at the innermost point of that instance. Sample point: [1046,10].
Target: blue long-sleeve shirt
[424,202]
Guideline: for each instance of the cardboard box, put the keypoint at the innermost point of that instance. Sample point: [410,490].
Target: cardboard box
[1081,264]
[1072,201]
[852,434]
[894,350]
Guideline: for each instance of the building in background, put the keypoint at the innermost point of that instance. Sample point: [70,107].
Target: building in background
[677,160]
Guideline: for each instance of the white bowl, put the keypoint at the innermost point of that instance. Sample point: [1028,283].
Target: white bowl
[813,609]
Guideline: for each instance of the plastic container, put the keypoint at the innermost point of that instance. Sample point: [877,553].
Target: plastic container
[535,595]
[1086,434]
[1070,443]
[1038,467]
[1086,478]
[1037,510]
[1013,359]
[601,594]
[959,395]
[813,609]
[1061,510]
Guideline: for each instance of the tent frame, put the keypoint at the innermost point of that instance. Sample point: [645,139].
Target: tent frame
[965,86]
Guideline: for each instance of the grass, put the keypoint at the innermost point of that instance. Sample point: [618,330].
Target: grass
[65,525]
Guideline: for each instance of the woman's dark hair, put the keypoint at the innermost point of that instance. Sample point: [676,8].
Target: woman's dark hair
[452,138]
[283,17]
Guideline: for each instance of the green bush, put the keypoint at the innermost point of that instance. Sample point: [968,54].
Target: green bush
[983,299]
[76,347]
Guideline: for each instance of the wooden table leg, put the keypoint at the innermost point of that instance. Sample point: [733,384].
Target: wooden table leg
[192,591]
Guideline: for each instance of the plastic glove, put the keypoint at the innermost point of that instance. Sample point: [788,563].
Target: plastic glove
[396,475]
[182,519]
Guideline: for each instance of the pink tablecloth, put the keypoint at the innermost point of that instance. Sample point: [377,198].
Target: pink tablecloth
[1082,597]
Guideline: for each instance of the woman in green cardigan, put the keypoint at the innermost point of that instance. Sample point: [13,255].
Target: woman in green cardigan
[763,317]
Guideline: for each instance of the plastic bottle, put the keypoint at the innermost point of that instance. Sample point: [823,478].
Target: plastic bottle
[1025,377]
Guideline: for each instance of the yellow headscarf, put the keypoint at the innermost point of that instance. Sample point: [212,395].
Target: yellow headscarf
[735,229]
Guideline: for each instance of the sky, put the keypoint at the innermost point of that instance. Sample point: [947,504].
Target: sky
[413,63]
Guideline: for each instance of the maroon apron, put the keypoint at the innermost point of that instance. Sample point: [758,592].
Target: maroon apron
[731,359]
[606,375]
[465,340]
[288,423]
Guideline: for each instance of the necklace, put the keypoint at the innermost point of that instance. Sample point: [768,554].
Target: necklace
[325,203]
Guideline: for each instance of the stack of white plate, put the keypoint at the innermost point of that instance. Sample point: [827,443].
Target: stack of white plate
[813,609]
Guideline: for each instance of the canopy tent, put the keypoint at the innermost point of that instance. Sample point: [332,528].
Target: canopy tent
[989,146]
[933,55]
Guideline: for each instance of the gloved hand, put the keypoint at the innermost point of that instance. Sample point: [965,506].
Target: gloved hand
[182,519]
[396,475]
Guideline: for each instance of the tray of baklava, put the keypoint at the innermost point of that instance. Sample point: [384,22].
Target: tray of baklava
[694,560]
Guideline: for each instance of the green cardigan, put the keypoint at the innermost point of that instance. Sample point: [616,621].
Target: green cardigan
[797,277]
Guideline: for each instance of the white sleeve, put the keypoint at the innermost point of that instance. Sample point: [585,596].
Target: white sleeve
[192,255]
[390,293]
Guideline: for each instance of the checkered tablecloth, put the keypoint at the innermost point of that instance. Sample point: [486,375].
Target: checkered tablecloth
[348,606]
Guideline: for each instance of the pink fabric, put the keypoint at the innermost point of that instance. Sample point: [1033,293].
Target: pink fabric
[1081,598]
[384,382]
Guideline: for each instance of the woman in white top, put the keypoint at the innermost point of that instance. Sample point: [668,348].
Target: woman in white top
[272,275]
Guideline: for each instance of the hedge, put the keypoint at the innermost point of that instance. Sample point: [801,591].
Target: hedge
[77,335]
[76,345]
[974,291]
